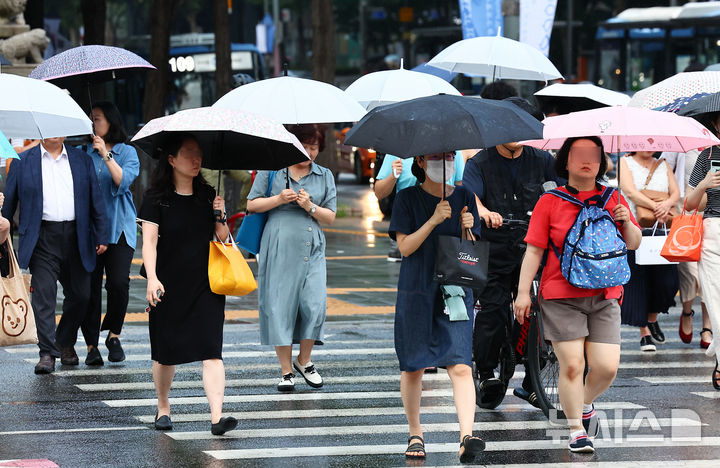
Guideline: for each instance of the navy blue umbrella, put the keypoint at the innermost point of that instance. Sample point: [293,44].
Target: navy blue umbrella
[704,105]
[441,123]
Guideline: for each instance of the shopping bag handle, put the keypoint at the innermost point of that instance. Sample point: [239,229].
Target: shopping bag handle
[685,206]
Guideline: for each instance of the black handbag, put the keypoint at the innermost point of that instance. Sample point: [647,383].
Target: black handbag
[461,262]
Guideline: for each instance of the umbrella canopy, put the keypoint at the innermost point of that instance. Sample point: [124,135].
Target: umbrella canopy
[89,64]
[627,129]
[677,89]
[440,73]
[35,109]
[441,123]
[391,86]
[703,105]
[582,96]
[497,57]
[6,149]
[291,100]
[229,139]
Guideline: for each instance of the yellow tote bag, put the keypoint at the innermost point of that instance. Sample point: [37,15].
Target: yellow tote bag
[228,272]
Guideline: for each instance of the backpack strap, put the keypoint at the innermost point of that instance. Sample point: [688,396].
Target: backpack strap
[565,196]
[606,195]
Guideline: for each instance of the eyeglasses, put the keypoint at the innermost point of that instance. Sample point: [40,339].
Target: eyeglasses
[448,156]
[587,154]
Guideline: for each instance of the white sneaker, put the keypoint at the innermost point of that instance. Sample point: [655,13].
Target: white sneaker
[309,374]
[287,383]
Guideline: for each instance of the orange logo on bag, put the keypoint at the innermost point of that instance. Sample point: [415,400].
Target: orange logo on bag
[14,316]
[684,239]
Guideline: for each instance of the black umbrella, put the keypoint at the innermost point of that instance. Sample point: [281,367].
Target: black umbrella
[703,105]
[440,123]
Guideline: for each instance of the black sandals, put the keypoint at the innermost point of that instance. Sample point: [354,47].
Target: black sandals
[473,447]
[716,376]
[415,450]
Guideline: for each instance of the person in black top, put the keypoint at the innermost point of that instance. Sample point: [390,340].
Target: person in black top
[507,181]
[186,318]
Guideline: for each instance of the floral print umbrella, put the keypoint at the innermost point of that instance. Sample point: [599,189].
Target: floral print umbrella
[229,139]
[89,64]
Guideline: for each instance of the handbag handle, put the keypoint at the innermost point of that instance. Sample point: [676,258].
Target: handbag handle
[652,172]
[470,237]
[14,267]
[685,206]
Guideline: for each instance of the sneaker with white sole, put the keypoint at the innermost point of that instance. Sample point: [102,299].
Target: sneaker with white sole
[647,344]
[287,383]
[581,444]
[309,373]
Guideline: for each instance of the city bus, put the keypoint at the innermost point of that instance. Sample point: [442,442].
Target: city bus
[642,46]
[192,68]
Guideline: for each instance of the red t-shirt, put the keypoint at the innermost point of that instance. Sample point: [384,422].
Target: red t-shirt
[552,217]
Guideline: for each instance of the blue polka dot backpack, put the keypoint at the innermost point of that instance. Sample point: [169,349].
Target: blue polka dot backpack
[594,253]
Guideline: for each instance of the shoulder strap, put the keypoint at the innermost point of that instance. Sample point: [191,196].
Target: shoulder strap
[565,196]
[605,196]
[271,177]
[652,171]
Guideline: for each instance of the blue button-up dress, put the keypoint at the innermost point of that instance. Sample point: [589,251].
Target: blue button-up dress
[292,278]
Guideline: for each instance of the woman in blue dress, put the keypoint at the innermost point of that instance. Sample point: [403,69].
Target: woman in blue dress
[424,334]
[292,279]
[117,166]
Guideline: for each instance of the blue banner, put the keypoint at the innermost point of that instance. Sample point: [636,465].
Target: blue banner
[481,17]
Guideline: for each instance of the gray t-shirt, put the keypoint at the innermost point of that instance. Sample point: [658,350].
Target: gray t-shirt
[702,166]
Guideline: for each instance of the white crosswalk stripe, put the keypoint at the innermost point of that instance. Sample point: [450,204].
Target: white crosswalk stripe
[359,410]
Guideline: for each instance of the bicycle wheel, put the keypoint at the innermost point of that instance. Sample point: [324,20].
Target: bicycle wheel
[504,372]
[544,369]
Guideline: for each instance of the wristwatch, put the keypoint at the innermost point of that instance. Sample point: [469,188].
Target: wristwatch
[108,156]
[313,209]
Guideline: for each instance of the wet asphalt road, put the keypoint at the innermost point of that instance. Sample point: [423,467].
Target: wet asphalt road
[662,408]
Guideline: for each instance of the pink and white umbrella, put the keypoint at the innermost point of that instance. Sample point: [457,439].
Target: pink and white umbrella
[229,139]
[89,64]
[627,129]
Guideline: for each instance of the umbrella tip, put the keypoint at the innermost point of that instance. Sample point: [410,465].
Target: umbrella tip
[402,61]
[285,69]
[499,31]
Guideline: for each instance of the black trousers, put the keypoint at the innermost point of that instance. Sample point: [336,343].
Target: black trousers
[114,263]
[56,258]
[495,301]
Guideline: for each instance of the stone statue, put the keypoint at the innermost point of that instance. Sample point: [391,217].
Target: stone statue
[11,11]
[29,44]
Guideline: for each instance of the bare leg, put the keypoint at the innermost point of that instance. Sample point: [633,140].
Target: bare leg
[284,354]
[603,360]
[652,317]
[213,375]
[644,331]
[306,347]
[464,395]
[163,377]
[570,382]
[706,323]
[686,318]
[411,391]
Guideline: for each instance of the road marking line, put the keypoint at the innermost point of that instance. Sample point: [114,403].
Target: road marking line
[86,429]
[676,379]
[510,445]
[402,428]
[370,411]
[712,395]
[609,464]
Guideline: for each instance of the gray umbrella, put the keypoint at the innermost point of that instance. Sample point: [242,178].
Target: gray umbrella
[703,105]
[435,124]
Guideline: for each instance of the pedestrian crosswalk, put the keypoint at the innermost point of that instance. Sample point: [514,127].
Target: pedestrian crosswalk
[659,410]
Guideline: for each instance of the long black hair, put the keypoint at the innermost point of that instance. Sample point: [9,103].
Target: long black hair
[162,184]
[563,155]
[708,121]
[116,133]
[418,171]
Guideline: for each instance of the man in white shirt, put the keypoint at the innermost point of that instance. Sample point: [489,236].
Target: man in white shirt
[63,226]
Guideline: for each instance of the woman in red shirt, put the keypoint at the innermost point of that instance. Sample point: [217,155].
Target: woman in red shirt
[577,321]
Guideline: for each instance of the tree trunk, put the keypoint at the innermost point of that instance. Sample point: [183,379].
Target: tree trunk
[223,67]
[94,16]
[157,83]
[323,67]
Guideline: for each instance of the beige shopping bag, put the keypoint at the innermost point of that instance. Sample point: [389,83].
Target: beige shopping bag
[18,320]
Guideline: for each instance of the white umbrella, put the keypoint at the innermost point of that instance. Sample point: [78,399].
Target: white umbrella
[34,109]
[391,86]
[672,93]
[291,100]
[584,91]
[497,57]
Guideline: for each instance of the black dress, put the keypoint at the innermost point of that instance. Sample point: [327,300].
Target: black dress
[187,325]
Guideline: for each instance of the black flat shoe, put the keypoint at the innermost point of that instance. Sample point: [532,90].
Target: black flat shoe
[224,425]
[116,353]
[163,423]
[716,376]
[94,358]
[473,447]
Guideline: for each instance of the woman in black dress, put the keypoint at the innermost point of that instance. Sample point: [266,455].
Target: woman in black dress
[186,317]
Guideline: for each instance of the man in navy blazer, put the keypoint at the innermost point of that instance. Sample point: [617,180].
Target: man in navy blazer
[62,228]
